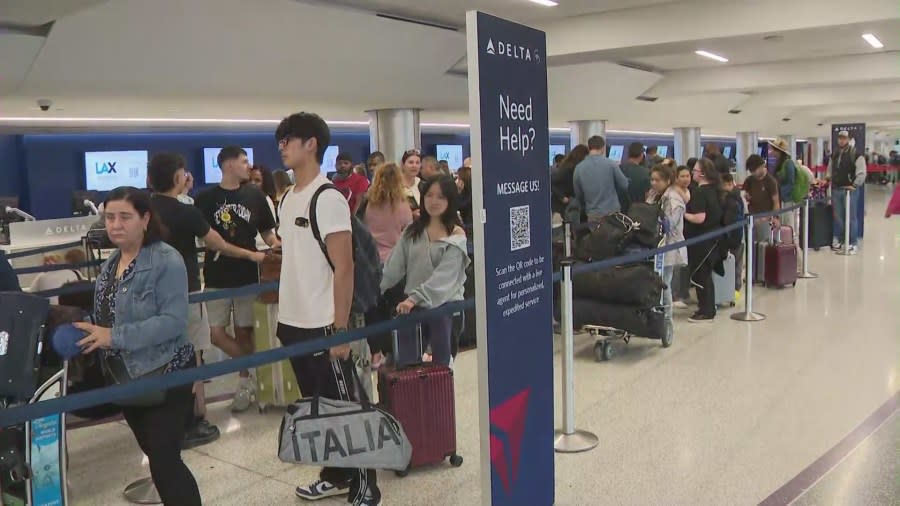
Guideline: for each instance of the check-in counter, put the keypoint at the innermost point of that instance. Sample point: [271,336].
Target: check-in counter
[28,235]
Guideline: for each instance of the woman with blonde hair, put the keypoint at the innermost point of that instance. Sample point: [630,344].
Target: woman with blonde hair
[386,214]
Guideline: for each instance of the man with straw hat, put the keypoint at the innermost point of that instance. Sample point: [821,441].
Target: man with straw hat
[786,175]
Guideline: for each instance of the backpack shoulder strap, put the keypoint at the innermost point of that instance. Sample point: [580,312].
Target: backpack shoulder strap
[314,221]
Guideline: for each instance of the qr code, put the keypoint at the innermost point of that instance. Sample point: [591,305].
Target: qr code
[519,228]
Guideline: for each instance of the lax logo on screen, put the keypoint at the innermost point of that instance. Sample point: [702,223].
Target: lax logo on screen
[105,168]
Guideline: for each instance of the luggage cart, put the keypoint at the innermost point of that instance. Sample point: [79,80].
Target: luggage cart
[605,335]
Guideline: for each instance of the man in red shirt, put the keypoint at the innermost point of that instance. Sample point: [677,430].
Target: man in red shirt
[354,186]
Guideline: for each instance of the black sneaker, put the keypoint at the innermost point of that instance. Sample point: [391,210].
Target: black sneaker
[200,434]
[701,318]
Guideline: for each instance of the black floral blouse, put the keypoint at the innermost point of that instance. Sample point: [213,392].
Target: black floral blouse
[105,316]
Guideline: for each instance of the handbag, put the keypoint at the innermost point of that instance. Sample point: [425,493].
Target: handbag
[116,373]
[336,433]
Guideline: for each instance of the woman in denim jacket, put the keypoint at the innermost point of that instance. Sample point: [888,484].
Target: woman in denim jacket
[140,315]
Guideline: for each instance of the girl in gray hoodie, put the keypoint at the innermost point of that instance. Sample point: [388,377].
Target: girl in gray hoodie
[432,256]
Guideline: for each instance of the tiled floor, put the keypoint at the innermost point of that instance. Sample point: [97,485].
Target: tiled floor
[726,416]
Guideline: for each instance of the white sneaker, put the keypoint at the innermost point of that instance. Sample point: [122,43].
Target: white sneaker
[321,489]
[854,249]
[680,304]
[244,397]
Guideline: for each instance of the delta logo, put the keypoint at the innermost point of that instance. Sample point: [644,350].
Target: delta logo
[513,51]
[105,168]
[507,430]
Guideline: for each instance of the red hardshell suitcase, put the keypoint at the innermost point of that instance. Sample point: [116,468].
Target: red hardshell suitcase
[781,259]
[422,399]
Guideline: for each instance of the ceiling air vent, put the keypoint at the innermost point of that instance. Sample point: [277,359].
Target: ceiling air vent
[636,66]
[785,119]
[645,98]
[431,24]
[734,111]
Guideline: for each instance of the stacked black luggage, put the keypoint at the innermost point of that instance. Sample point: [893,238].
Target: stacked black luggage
[625,299]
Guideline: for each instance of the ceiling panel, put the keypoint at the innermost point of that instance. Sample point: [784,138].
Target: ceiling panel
[453,12]
[17,53]
[238,53]
[38,12]
[787,46]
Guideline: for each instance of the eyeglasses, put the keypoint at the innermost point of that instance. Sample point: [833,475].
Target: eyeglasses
[284,141]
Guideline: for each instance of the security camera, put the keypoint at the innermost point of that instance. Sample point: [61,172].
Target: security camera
[44,104]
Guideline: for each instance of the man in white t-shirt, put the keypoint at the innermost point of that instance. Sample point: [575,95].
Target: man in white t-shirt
[315,296]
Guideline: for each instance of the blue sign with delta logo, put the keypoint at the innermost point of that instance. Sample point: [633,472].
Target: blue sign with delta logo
[510,146]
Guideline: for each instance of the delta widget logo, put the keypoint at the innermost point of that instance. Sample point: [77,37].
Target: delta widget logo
[507,430]
[513,51]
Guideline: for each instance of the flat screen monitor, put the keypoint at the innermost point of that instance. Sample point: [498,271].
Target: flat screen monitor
[211,172]
[330,160]
[727,151]
[556,149]
[616,152]
[452,153]
[107,170]
[662,151]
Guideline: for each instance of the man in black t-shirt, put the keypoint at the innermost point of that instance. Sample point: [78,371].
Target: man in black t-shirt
[185,224]
[238,212]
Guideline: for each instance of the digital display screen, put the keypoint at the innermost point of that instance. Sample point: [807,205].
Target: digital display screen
[107,170]
[556,149]
[211,171]
[453,153]
[330,159]
[727,151]
[616,152]
[662,151]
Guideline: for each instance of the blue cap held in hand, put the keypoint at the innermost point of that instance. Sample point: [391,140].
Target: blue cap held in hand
[65,340]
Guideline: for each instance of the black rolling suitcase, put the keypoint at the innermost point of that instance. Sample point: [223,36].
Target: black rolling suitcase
[821,224]
[22,321]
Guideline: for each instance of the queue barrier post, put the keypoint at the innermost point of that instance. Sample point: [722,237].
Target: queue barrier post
[846,249]
[569,439]
[747,315]
[805,274]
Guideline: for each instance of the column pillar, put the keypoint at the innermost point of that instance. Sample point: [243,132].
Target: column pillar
[393,131]
[582,130]
[791,141]
[687,144]
[747,144]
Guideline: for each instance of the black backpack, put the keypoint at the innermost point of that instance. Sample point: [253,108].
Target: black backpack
[733,212]
[367,268]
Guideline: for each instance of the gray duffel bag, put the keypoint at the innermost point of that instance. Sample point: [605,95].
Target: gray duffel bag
[326,432]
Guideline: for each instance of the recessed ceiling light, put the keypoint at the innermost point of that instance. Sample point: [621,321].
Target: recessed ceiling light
[711,56]
[873,40]
[545,3]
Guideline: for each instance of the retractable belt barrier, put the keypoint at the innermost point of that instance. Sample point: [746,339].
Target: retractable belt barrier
[43,249]
[68,403]
[58,267]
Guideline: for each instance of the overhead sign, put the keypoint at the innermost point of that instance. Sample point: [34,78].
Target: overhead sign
[514,293]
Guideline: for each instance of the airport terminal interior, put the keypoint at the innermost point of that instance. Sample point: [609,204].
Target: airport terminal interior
[787,392]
